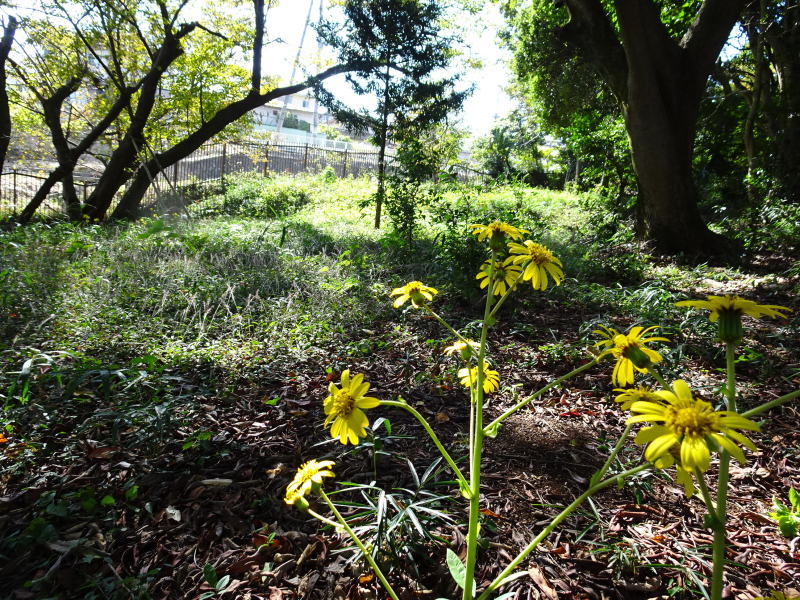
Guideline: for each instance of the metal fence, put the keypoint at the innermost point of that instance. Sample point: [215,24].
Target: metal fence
[213,162]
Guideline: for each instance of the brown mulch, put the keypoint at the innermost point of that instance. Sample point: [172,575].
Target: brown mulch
[220,501]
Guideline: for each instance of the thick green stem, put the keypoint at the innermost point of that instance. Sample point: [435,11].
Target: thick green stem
[535,395]
[477,448]
[771,404]
[502,577]
[326,520]
[599,475]
[410,409]
[506,295]
[360,545]
[718,552]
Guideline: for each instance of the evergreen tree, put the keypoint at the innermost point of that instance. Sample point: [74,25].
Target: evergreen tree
[403,38]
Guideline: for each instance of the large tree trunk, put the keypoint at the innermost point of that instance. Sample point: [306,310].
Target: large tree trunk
[659,82]
[5,113]
[128,207]
[121,165]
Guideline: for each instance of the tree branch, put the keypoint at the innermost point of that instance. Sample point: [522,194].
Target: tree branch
[589,29]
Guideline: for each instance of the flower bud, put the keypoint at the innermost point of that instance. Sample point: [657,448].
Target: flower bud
[301,504]
[637,356]
[730,327]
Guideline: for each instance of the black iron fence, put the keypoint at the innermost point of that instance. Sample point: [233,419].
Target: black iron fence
[213,162]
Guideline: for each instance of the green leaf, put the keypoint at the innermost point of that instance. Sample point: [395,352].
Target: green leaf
[223,583]
[788,527]
[132,492]
[506,596]
[108,501]
[457,569]
[492,430]
[210,575]
[794,498]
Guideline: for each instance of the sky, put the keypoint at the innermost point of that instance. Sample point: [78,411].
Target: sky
[488,101]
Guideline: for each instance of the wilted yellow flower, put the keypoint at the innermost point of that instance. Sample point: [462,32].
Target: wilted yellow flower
[416,291]
[491,379]
[497,230]
[682,419]
[344,407]
[630,395]
[630,351]
[308,475]
[728,310]
[505,275]
[538,263]
[464,348]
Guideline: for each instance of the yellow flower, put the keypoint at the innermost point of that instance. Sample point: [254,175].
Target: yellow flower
[721,304]
[505,276]
[344,407]
[728,310]
[628,396]
[309,474]
[464,348]
[416,291]
[491,379]
[630,351]
[539,262]
[693,424]
[497,231]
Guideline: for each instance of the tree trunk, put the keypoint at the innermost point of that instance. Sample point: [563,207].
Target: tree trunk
[128,207]
[5,112]
[383,138]
[121,164]
[659,82]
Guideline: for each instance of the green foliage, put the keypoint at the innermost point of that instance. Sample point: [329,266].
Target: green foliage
[788,517]
[254,196]
[401,524]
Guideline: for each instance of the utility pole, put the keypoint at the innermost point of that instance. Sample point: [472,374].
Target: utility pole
[282,114]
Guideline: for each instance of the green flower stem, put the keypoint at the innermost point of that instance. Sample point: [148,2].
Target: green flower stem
[706,494]
[506,295]
[599,475]
[718,551]
[657,376]
[407,407]
[477,444]
[361,546]
[503,577]
[444,323]
[535,395]
[771,404]
[325,520]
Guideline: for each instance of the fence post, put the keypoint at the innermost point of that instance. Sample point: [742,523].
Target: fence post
[344,163]
[305,159]
[224,156]
[266,159]
[175,175]
[14,183]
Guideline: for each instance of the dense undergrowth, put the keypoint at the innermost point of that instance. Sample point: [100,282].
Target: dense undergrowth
[148,342]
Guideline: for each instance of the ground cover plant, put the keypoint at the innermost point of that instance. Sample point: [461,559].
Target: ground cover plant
[162,381]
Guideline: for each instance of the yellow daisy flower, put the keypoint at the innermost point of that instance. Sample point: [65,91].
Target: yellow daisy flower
[693,424]
[728,310]
[630,351]
[505,275]
[538,261]
[464,348]
[630,395]
[416,291]
[309,475]
[344,407]
[497,231]
[491,379]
